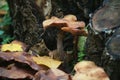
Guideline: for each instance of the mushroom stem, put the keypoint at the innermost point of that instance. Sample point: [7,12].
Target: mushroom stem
[60,50]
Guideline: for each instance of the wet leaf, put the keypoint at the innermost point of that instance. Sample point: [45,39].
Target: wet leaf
[51,63]
[21,57]
[52,74]
[14,73]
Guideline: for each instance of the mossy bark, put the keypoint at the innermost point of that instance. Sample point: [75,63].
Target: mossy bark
[27,20]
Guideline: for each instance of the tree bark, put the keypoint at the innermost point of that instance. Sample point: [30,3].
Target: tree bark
[102,44]
[27,20]
[111,56]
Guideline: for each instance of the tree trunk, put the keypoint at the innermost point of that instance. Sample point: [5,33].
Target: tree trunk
[27,20]
[102,44]
[111,56]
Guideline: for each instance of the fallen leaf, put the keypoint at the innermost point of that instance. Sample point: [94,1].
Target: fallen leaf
[23,45]
[51,63]
[11,47]
[52,74]
[15,73]
[21,57]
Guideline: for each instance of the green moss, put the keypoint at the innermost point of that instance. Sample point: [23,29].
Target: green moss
[81,46]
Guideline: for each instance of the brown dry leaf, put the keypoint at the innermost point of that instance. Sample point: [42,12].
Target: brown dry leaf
[21,57]
[51,63]
[52,74]
[24,67]
[15,73]
[11,47]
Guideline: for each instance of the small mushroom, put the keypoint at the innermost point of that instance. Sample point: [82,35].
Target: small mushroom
[67,24]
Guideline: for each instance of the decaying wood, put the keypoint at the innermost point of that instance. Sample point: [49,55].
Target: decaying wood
[111,56]
[102,44]
[103,24]
[107,17]
[113,44]
[94,48]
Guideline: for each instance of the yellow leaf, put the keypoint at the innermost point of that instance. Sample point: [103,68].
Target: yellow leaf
[11,47]
[47,61]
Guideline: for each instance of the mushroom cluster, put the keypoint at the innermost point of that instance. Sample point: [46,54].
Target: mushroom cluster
[68,24]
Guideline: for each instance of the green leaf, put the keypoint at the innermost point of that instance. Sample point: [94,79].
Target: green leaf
[6,20]
[7,39]
[4,7]
[81,46]
[1,32]
[80,56]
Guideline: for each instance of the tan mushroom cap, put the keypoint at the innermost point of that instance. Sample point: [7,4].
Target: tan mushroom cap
[76,28]
[68,24]
[84,66]
[88,70]
[70,17]
[50,22]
